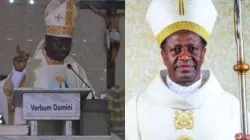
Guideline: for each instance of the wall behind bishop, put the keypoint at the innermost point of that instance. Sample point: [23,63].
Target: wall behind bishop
[24,23]
[143,58]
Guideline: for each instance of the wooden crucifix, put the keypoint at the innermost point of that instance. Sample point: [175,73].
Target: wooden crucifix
[112,34]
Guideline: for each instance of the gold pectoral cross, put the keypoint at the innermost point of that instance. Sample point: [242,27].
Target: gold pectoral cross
[181,7]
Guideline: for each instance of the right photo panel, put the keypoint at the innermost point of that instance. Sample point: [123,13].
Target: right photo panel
[187,70]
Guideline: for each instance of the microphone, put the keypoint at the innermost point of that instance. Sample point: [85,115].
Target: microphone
[69,66]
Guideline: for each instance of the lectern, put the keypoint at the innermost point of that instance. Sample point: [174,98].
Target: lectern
[50,104]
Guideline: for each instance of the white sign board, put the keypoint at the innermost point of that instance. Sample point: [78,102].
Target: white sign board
[51,106]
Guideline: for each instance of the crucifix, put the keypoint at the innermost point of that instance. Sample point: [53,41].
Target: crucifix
[112,34]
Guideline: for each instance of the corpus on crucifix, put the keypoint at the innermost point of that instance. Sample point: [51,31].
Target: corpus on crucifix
[112,19]
[113,34]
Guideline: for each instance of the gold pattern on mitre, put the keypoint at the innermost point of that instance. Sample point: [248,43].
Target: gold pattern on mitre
[59,30]
[60,18]
[182,25]
[184,138]
[181,7]
[183,119]
[179,15]
[69,12]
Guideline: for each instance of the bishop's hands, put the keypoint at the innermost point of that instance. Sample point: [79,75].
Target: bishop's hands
[20,60]
[240,136]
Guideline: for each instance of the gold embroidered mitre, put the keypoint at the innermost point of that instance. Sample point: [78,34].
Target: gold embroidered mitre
[168,16]
[60,17]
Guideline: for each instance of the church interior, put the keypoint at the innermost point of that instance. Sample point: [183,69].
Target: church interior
[23,24]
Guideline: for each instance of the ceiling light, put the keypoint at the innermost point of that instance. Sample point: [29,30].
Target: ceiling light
[31,1]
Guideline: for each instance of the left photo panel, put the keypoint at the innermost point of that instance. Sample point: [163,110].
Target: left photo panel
[62,69]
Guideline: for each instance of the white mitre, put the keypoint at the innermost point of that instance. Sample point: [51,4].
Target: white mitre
[168,16]
[60,17]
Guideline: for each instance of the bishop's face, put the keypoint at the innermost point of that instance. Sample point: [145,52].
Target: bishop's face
[58,48]
[183,54]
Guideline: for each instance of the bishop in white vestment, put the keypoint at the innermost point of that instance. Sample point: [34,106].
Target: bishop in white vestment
[206,112]
[36,73]
[183,102]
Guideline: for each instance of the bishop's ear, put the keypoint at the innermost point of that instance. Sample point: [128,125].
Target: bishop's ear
[164,56]
[163,52]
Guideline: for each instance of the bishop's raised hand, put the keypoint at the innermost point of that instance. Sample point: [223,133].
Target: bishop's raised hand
[20,60]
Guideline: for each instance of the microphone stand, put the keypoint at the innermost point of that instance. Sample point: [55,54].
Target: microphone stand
[93,97]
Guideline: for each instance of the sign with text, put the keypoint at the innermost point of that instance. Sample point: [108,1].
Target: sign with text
[56,107]
[51,106]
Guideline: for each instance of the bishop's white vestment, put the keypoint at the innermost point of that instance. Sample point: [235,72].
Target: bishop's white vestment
[60,17]
[36,77]
[160,114]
